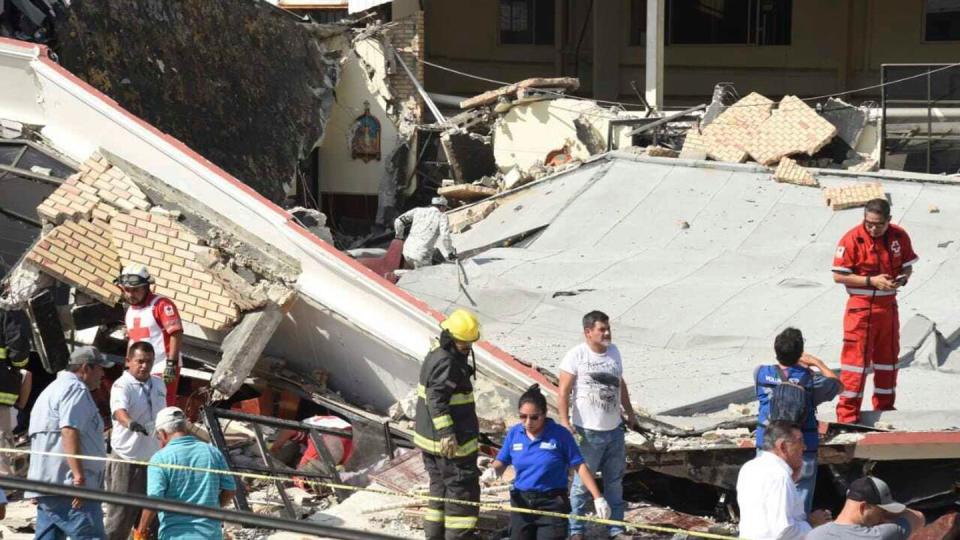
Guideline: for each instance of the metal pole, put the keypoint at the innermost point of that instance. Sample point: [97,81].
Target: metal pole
[246,519]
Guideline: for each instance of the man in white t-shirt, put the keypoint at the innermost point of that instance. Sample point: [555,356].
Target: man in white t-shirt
[593,373]
[135,399]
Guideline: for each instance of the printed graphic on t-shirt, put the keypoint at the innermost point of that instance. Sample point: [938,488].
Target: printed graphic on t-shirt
[602,388]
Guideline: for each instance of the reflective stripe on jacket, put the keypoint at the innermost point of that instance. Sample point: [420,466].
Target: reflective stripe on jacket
[445,403]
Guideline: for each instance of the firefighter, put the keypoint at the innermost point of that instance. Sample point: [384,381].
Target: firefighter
[873,260]
[447,429]
[15,380]
[155,319]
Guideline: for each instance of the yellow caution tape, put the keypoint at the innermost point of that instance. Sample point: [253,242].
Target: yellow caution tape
[411,495]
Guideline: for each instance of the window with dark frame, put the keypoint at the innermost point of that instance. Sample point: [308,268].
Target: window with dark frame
[733,22]
[526,22]
[942,19]
[638,22]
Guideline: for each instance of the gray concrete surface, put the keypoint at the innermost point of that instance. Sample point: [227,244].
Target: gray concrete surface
[699,268]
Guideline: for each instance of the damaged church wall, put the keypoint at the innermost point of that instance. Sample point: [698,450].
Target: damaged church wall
[372,85]
[243,83]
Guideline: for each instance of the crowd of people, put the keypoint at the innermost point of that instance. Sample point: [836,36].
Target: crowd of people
[775,489]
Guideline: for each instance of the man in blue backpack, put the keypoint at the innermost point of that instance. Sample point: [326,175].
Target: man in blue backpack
[790,390]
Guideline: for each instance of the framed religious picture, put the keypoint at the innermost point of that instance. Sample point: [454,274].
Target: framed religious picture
[365,136]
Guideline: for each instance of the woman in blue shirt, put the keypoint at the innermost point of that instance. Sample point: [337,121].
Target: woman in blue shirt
[542,453]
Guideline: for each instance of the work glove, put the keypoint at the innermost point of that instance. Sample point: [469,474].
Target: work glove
[448,446]
[452,256]
[489,476]
[602,508]
[169,372]
[137,427]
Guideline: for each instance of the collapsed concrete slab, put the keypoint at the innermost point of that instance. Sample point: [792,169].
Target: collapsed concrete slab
[703,299]
[791,172]
[336,326]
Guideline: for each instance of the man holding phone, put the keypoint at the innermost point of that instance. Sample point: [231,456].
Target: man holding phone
[873,260]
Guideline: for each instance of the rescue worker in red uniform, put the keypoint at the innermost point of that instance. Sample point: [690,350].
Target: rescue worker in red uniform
[873,260]
[447,430]
[154,319]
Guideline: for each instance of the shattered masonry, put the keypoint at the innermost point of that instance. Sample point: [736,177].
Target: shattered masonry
[851,196]
[103,222]
[792,128]
[790,172]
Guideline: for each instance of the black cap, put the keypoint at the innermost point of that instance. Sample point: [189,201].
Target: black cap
[875,491]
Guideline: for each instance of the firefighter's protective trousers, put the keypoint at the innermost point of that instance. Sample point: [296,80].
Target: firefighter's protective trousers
[456,478]
[446,408]
[871,339]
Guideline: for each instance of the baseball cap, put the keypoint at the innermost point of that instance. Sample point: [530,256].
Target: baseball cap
[875,491]
[89,355]
[169,416]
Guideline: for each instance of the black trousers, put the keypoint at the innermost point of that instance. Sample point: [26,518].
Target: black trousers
[459,479]
[533,527]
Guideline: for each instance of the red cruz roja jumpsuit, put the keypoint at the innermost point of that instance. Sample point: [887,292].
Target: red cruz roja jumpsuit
[871,325]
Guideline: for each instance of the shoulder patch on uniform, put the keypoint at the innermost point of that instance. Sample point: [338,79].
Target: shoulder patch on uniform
[168,310]
[895,247]
[840,251]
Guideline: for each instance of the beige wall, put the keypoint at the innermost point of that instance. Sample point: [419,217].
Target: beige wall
[836,44]
[339,173]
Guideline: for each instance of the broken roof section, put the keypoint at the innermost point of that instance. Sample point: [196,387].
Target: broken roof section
[699,265]
[366,334]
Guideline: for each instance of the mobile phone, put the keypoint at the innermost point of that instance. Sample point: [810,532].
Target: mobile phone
[901,279]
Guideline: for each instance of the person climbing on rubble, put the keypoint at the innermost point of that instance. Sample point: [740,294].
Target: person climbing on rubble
[154,319]
[791,390]
[447,429]
[15,381]
[542,453]
[428,241]
[873,260]
[591,377]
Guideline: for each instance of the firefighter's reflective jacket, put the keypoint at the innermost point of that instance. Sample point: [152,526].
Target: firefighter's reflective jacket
[445,401]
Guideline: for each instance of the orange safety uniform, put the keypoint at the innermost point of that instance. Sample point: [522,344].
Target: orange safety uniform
[871,324]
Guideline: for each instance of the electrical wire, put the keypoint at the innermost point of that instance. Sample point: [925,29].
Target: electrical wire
[622,104]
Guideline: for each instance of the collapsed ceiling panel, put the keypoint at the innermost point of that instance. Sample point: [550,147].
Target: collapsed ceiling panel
[699,267]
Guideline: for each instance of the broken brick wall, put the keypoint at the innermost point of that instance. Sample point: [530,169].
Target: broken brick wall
[406,36]
[242,83]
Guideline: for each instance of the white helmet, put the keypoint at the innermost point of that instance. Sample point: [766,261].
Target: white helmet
[134,275]
[439,201]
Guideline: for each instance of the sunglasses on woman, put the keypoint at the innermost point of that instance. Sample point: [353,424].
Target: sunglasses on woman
[533,417]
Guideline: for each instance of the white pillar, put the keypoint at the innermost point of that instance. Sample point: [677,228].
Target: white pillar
[656,14]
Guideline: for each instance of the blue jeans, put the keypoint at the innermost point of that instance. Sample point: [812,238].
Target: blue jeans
[603,452]
[57,519]
[808,480]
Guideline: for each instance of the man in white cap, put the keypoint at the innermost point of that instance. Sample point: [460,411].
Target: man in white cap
[65,420]
[181,449]
[429,234]
[154,319]
[870,513]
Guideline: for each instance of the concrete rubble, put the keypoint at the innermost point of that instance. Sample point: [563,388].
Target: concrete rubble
[557,211]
